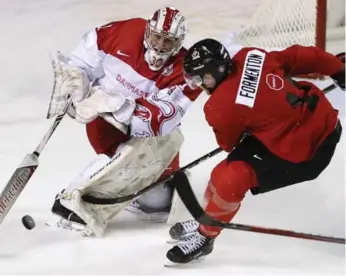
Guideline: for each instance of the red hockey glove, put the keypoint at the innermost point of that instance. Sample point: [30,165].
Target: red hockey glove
[339,78]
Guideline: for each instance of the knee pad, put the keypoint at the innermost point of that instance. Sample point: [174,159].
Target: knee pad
[231,180]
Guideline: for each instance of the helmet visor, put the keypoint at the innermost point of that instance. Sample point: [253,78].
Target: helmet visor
[193,81]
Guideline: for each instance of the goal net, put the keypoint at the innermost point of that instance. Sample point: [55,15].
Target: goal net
[281,23]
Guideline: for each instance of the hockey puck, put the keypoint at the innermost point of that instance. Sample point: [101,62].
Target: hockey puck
[28,222]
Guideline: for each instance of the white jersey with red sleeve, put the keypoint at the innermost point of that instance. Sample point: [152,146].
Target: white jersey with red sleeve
[113,57]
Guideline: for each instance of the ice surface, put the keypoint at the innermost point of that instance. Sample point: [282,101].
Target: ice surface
[29,31]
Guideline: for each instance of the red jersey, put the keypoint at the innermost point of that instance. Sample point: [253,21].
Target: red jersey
[290,118]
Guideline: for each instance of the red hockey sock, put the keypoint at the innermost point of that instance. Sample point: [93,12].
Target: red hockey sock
[213,209]
[208,193]
[226,189]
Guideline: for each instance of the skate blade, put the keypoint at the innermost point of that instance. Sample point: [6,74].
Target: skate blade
[61,223]
[171,264]
[176,242]
[153,217]
[173,241]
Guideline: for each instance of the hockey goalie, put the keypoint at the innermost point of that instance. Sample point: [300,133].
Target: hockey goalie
[127,86]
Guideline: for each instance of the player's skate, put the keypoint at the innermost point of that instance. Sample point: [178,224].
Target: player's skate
[66,219]
[194,249]
[180,231]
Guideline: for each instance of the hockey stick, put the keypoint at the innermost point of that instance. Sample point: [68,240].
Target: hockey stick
[287,233]
[107,201]
[26,169]
[188,197]
[329,88]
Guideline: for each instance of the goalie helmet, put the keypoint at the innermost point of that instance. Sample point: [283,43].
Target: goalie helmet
[164,36]
[206,64]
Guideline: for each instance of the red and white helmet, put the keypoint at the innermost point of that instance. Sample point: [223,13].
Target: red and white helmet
[164,36]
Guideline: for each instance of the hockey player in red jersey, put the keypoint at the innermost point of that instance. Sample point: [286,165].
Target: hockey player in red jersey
[126,79]
[278,131]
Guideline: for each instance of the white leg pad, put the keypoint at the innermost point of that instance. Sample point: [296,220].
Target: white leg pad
[139,163]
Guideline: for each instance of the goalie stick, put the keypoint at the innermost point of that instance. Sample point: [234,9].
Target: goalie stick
[26,169]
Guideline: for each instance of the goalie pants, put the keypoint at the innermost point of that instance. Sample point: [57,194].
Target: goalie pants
[251,166]
[105,139]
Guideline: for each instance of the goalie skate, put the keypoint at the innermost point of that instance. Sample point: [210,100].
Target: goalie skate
[67,220]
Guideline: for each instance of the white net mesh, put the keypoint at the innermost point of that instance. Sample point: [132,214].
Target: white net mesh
[278,24]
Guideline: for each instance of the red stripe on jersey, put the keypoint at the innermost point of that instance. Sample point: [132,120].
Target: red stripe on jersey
[152,113]
[170,14]
[155,16]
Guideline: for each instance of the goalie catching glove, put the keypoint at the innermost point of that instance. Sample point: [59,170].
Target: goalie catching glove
[68,80]
[87,102]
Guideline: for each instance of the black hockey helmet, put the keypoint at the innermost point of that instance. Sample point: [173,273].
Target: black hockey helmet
[207,56]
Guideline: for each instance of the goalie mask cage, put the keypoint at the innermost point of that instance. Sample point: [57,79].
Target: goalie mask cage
[281,23]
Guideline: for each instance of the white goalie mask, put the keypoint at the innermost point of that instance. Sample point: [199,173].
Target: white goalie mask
[164,36]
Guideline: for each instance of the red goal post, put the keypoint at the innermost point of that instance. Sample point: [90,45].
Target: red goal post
[321,23]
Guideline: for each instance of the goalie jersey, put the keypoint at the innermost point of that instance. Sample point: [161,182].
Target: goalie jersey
[113,55]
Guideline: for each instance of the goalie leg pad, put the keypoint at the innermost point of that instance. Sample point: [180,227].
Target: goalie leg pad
[137,163]
[155,204]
